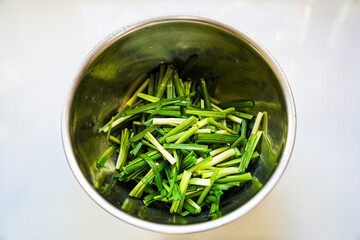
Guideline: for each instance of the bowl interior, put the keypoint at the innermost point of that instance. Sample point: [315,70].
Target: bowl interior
[111,77]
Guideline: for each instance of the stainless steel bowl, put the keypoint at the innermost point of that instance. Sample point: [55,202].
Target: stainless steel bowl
[109,75]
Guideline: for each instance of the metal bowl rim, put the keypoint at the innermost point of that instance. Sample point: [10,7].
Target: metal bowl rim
[196,227]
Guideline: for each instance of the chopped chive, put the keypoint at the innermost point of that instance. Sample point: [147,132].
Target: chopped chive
[249,149]
[244,128]
[174,137]
[134,175]
[191,131]
[172,181]
[178,87]
[109,129]
[167,129]
[221,157]
[207,188]
[136,149]
[205,93]
[161,149]
[242,115]
[150,106]
[163,82]
[105,156]
[139,162]
[241,138]
[164,113]
[214,100]
[257,123]
[216,108]
[200,181]
[161,73]
[124,148]
[234,119]
[137,190]
[193,194]
[159,130]
[207,171]
[169,89]
[171,108]
[148,97]
[187,86]
[225,186]
[189,202]
[219,125]
[222,172]
[216,138]
[235,178]
[189,208]
[141,134]
[236,161]
[182,103]
[204,130]
[215,205]
[236,127]
[205,113]
[177,158]
[167,121]
[132,100]
[188,161]
[185,213]
[237,152]
[194,107]
[190,147]
[228,111]
[116,122]
[155,169]
[202,104]
[182,126]
[183,186]
[167,188]
[218,150]
[114,139]
[148,144]
[137,123]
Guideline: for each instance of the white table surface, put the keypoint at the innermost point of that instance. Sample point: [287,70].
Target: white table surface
[317,43]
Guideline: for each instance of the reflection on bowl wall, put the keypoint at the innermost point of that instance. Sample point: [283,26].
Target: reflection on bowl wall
[111,74]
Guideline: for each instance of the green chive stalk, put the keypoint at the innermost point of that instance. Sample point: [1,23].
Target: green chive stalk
[221,157]
[162,85]
[257,123]
[105,156]
[183,186]
[192,131]
[159,147]
[249,149]
[207,189]
[182,126]
[124,148]
[148,97]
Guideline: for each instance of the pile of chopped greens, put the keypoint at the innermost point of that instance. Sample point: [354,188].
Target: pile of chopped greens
[179,145]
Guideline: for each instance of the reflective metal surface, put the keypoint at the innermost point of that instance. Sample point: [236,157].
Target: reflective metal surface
[246,71]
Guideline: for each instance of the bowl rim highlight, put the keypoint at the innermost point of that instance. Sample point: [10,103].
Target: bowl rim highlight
[196,227]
